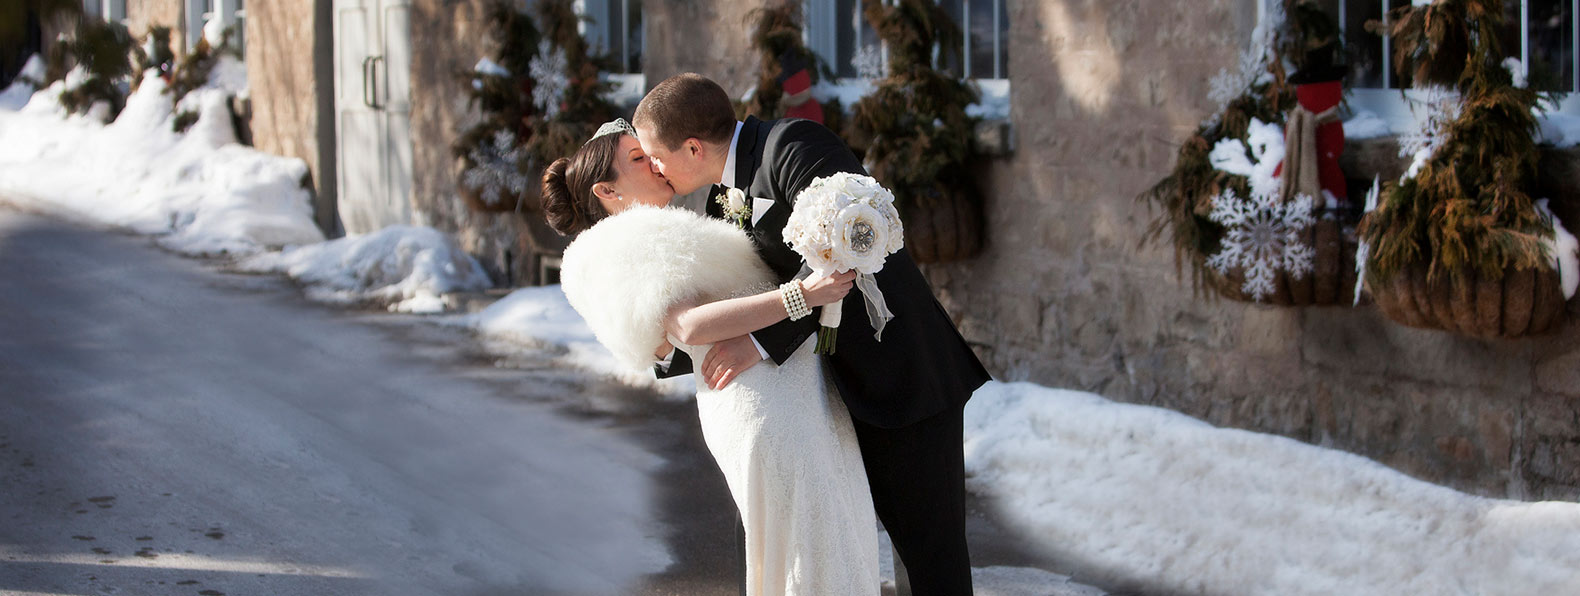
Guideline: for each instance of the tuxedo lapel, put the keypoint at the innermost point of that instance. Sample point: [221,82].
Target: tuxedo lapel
[711,207]
[748,152]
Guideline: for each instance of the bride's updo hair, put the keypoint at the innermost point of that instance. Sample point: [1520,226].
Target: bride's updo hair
[569,204]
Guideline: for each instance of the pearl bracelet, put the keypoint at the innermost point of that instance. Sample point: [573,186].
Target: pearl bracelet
[794,302]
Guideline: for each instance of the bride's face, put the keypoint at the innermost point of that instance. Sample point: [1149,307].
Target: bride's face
[636,181]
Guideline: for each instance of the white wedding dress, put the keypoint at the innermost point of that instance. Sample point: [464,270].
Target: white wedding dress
[780,434]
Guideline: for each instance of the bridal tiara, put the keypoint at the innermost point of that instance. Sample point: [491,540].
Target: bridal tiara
[618,125]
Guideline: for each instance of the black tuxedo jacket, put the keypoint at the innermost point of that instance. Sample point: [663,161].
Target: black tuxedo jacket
[922,365]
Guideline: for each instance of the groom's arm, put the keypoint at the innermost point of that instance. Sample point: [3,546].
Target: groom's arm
[801,152]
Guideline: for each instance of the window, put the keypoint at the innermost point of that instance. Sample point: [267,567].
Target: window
[615,29]
[1541,33]
[839,33]
[984,27]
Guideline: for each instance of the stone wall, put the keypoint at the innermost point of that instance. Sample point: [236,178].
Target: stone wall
[291,81]
[141,15]
[1067,295]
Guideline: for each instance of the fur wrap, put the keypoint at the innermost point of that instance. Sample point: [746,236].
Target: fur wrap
[624,274]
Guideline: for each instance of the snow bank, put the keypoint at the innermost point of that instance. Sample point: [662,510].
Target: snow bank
[21,89]
[1148,495]
[1558,129]
[1366,125]
[411,267]
[200,191]
[540,318]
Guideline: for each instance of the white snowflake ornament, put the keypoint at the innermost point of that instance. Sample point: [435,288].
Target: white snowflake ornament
[495,173]
[549,78]
[868,62]
[1262,237]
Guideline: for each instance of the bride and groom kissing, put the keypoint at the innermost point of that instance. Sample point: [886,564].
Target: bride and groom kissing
[812,446]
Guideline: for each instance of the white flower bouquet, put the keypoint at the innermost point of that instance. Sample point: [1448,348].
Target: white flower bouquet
[846,222]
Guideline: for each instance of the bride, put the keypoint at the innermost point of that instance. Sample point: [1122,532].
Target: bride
[647,278]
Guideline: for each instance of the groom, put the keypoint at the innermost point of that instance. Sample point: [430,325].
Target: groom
[906,393]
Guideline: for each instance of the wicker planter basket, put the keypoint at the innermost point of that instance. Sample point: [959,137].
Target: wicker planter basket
[1331,281]
[1524,302]
[947,229]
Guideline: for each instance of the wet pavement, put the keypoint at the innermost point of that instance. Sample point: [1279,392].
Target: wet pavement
[169,428]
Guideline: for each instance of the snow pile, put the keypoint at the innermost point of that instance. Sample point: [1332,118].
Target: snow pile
[1558,129]
[200,191]
[21,89]
[412,267]
[1366,125]
[541,318]
[1563,247]
[1152,496]
[1145,495]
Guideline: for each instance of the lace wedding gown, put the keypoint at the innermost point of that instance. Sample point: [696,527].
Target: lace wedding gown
[780,434]
[789,454]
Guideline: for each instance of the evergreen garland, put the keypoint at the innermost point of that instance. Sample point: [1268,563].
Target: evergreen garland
[192,73]
[102,50]
[914,131]
[1468,209]
[508,112]
[776,33]
[161,58]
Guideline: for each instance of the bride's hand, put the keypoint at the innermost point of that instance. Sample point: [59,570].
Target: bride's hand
[818,290]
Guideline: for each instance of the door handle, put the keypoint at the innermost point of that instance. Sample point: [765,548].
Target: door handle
[367,92]
[377,60]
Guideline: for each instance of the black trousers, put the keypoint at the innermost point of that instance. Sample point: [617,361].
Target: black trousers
[917,475]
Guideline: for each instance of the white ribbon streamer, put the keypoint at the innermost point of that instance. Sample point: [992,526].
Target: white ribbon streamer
[877,310]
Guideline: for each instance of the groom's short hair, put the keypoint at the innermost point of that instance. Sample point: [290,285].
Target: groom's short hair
[684,106]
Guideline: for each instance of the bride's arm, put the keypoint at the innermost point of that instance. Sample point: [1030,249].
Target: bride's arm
[725,319]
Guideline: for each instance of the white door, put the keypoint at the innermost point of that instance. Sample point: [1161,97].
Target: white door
[373,113]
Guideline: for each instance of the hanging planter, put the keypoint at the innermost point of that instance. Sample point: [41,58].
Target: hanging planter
[1458,243]
[915,134]
[1508,304]
[1256,203]
[942,229]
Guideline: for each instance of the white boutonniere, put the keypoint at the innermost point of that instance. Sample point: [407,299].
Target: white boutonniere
[735,207]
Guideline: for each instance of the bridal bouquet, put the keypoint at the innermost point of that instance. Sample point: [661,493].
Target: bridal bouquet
[846,222]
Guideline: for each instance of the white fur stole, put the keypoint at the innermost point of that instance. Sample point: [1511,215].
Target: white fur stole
[624,274]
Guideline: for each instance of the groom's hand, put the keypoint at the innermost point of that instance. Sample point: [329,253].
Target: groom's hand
[728,359]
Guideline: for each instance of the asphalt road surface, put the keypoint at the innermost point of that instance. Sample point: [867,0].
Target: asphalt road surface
[170,428]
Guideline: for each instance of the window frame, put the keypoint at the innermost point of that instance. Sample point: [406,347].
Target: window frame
[1393,104]
[820,33]
[627,87]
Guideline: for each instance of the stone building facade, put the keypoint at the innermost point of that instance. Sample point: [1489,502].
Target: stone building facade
[1066,293]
